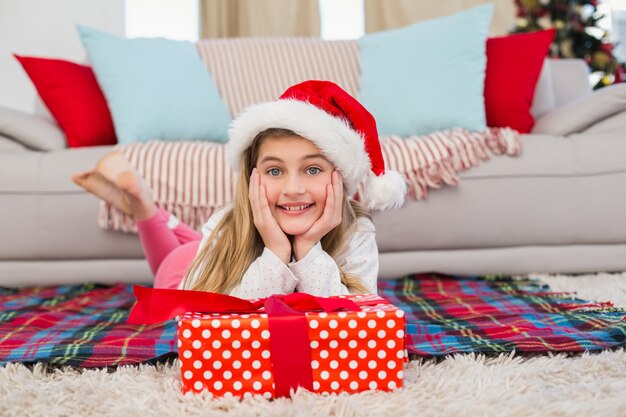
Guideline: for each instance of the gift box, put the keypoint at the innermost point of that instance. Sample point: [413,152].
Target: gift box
[270,352]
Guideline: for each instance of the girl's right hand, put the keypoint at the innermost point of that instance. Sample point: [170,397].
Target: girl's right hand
[273,236]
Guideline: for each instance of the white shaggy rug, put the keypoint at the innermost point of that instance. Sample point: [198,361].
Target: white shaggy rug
[463,385]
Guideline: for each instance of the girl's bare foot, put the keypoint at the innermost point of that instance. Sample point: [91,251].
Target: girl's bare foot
[116,181]
[102,188]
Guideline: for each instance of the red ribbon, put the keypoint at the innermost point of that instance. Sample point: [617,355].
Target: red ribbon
[289,330]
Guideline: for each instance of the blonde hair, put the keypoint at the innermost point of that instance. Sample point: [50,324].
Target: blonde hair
[235,242]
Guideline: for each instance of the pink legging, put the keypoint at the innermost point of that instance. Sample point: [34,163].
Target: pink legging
[169,246]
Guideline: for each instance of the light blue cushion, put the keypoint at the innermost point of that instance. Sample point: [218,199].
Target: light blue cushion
[156,88]
[428,76]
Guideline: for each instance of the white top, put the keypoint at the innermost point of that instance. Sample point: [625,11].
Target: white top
[317,273]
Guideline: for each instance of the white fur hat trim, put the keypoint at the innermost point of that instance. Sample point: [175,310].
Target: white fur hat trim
[385,191]
[342,145]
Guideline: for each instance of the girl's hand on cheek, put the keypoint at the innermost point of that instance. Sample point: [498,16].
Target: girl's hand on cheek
[330,218]
[273,237]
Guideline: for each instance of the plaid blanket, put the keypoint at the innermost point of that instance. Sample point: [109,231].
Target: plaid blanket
[84,325]
[500,314]
[80,325]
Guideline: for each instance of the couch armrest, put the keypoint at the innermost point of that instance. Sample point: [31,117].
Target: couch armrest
[34,132]
[583,113]
[615,123]
[9,145]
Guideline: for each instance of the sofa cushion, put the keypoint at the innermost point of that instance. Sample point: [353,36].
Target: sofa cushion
[514,63]
[59,226]
[428,76]
[47,172]
[554,194]
[49,216]
[156,88]
[71,93]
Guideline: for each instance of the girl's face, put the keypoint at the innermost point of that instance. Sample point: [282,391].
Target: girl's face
[295,175]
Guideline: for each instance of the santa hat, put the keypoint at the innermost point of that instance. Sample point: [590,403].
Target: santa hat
[335,122]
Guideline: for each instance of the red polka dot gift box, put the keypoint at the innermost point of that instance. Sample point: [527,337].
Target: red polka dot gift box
[268,347]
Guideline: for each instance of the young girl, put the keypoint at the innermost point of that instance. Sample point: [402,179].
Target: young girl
[292,226]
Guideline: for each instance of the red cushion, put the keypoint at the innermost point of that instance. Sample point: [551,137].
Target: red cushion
[514,63]
[73,96]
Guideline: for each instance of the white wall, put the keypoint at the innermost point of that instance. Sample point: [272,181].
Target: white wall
[47,28]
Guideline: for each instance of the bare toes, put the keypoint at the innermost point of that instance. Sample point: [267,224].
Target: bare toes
[80,178]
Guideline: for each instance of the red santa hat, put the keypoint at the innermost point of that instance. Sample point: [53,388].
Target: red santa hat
[335,122]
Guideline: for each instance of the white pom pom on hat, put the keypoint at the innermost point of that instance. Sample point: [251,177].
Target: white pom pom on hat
[335,122]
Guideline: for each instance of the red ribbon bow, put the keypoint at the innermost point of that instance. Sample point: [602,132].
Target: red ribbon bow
[289,330]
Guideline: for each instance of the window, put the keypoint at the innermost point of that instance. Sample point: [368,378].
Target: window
[163,18]
[179,19]
[342,19]
[617,19]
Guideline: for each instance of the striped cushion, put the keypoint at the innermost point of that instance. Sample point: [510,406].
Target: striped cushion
[258,69]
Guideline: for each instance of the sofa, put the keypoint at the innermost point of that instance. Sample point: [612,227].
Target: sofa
[557,208]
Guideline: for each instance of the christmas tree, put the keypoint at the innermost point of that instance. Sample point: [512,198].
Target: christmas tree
[578,33]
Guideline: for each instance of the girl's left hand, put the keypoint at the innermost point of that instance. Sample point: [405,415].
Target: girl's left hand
[330,218]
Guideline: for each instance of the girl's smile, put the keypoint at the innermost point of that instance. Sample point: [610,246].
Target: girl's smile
[295,209]
[295,175]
